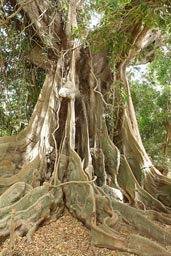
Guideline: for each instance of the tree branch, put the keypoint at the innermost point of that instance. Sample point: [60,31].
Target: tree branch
[17,11]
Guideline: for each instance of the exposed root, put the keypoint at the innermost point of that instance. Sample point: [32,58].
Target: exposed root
[139,197]
[160,217]
[13,194]
[113,237]
[30,210]
[26,174]
[79,197]
[107,218]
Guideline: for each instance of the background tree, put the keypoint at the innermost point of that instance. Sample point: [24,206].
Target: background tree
[151,98]
[68,155]
[20,80]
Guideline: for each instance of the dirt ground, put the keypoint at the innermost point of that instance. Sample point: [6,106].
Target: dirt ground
[63,237]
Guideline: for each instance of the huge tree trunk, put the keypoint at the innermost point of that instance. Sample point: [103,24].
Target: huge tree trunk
[66,158]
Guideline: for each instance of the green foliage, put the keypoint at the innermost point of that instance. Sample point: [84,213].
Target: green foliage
[120,21]
[145,99]
[160,74]
[148,112]
[19,82]
[152,100]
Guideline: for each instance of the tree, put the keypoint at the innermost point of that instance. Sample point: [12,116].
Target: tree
[162,77]
[153,90]
[82,148]
[17,78]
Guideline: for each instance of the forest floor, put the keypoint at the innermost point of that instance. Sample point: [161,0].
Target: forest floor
[63,237]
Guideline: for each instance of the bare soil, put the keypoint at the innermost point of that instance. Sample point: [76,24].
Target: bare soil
[63,237]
